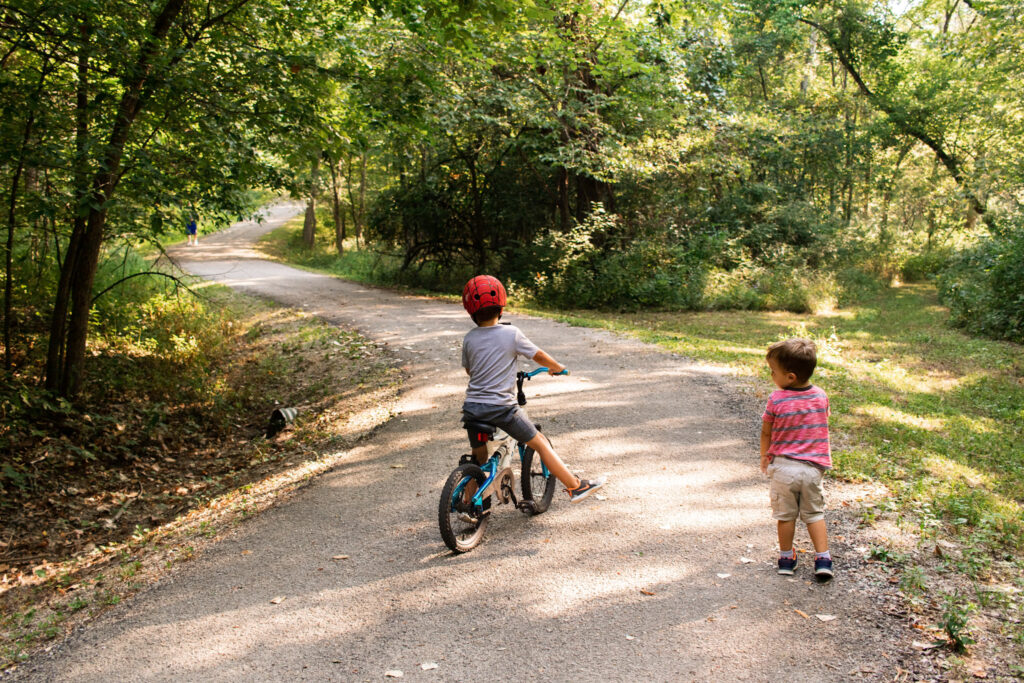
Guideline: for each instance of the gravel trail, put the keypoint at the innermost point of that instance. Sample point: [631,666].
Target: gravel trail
[670,578]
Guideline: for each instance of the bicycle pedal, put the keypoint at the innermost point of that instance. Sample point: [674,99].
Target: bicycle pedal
[527,506]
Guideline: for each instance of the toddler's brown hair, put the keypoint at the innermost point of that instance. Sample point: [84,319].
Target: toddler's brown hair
[799,356]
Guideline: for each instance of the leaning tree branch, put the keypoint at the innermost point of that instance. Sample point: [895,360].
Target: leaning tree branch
[905,126]
[177,280]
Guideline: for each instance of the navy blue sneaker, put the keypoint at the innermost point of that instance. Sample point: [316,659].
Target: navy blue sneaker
[823,570]
[787,565]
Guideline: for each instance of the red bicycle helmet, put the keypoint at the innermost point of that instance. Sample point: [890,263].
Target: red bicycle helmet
[481,292]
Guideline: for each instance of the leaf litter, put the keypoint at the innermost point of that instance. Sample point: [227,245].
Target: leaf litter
[143,475]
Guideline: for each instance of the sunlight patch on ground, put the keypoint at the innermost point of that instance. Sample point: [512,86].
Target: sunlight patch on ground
[976,425]
[947,469]
[412,405]
[579,588]
[886,414]
[898,379]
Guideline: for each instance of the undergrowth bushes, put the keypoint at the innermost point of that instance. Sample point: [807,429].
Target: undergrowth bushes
[984,285]
[577,269]
[152,345]
[594,265]
[588,267]
[370,263]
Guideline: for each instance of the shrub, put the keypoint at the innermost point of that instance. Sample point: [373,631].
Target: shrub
[925,266]
[984,286]
[790,288]
[857,284]
[588,267]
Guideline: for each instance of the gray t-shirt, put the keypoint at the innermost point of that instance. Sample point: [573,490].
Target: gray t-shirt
[489,353]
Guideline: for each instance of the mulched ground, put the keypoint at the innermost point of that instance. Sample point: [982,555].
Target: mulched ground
[117,491]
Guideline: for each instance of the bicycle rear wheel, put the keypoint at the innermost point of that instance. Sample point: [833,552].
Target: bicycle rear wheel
[462,528]
[538,484]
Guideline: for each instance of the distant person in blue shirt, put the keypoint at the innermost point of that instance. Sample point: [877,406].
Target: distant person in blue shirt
[192,231]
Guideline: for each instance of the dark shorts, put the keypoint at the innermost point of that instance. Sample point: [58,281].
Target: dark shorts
[510,418]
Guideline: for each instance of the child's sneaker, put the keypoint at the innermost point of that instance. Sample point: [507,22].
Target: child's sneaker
[823,570]
[787,565]
[585,488]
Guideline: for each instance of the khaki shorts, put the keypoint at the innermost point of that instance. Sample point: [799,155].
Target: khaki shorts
[796,490]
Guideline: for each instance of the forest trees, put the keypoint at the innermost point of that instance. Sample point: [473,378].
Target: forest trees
[120,118]
[698,154]
[535,125]
[746,153]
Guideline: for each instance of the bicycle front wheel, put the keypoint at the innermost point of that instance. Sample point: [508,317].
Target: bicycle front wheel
[462,527]
[538,484]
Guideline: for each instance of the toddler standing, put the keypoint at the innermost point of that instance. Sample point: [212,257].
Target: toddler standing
[795,452]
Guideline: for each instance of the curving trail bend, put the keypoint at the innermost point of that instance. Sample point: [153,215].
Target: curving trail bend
[556,597]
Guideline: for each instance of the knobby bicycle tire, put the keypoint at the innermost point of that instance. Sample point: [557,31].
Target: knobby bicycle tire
[535,485]
[458,535]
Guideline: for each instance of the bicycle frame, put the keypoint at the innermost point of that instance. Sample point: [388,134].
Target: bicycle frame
[500,460]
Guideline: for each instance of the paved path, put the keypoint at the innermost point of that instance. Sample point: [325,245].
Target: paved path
[556,597]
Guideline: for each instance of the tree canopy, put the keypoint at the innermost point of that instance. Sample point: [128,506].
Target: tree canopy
[593,152]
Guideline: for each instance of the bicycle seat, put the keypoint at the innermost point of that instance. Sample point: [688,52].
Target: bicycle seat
[482,430]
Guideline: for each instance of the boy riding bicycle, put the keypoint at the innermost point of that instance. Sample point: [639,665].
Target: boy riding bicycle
[489,354]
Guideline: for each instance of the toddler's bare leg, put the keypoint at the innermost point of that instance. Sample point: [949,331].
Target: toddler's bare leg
[551,460]
[819,535]
[786,532]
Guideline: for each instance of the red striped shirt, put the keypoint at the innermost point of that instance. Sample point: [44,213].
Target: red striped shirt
[799,421]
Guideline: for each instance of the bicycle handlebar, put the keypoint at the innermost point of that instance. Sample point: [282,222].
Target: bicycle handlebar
[540,370]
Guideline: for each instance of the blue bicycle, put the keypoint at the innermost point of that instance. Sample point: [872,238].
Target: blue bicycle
[465,505]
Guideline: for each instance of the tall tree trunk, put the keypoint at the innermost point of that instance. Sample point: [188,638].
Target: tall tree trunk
[337,211]
[62,297]
[83,264]
[351,197]
[811,67]
[360,223]
[9,256]
[479,230]
[851,126]
[563,198]
[309,224]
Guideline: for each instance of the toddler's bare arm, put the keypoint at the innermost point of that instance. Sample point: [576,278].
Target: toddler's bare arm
[766,439]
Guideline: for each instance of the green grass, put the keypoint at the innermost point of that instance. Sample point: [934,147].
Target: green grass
[369,266]
[934,414]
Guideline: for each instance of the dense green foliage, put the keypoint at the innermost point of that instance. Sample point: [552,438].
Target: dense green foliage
[984,285]
[708,155]
[598,153]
